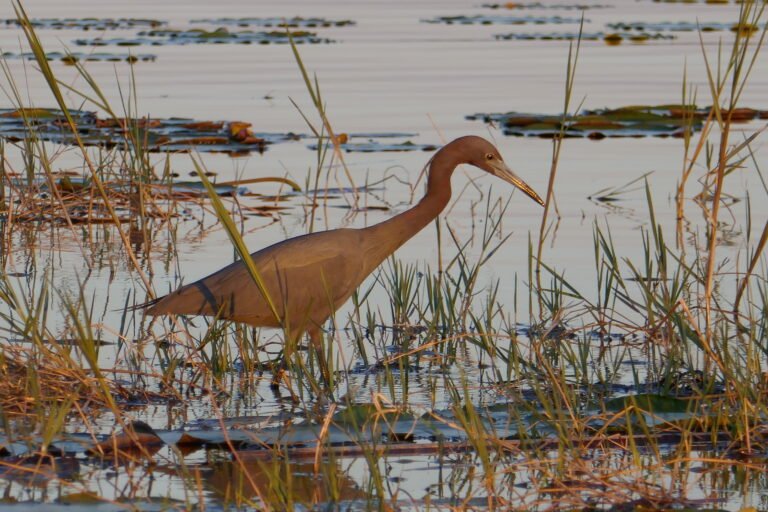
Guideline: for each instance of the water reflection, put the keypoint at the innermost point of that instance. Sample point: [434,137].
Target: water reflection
[282,484]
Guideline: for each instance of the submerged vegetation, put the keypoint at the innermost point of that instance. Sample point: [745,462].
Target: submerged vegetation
[615,397]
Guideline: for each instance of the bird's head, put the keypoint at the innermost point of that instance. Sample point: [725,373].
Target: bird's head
[484,155]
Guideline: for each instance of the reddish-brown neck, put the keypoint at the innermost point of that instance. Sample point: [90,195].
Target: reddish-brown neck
[394,232]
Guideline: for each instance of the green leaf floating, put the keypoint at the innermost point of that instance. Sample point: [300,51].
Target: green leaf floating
[652,403]
[165,37]
[158,135]
[628,121]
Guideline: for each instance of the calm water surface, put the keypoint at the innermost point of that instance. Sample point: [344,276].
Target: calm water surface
[390,72]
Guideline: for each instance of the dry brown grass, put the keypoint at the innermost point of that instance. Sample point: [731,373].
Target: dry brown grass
[35,378]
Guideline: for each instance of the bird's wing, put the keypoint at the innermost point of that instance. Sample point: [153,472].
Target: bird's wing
[308,276]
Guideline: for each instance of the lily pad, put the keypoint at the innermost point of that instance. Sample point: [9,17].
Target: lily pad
[197,36]
[370,143]
[89,23]
[611,38]
[158,135]
[629,121]
[654,409]
[296,22]
[374,146]
[196,189]
[712,2]
[34,469]
[71,58]
[379,147]
[685,26]
[648,403]
[67,342]
[539,5]
[357,415]
[503,20]
[175,189]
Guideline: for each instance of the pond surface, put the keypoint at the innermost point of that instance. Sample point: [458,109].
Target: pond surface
[400,81]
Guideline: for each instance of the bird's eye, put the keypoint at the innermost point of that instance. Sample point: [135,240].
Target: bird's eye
[489,156]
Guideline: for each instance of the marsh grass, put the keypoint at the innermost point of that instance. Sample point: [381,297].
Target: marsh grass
[696,319]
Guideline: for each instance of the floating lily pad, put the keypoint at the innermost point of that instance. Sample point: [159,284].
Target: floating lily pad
[198,36]
[654,409]
[175,189]
[196,189]
[503,20]
[539,5]
[713,2]
[369,143]
[376,147]
[613,38]
[174,134]
[34,469]
[68,342]
[630,121]
[648,402]
[89,23]
[296,22]
[685,26]
[359,414]
[71,58]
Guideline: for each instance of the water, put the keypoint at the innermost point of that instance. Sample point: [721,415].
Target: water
[390,72]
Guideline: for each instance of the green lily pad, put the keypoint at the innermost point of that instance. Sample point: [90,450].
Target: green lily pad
[685,26]
[615,37]
[503,20]
[88,23]
[158,135]
[165,37]
[71,58]
[649,403]
[539,5]
[712,2]
[382,147]
[81,498]
[296,22]
[628,121]
[360,414]
[370,143]
[7,115]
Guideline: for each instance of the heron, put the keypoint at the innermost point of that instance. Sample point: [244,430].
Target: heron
[308,277]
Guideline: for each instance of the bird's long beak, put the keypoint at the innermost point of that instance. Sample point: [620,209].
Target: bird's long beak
[501,170]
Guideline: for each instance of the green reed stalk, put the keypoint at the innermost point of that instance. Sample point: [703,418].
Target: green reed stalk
[313,87]
[557,142]
[42,61]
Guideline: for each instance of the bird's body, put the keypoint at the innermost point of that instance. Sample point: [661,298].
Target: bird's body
[301,276]
[309,277]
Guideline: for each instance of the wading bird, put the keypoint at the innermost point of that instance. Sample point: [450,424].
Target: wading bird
[309,277]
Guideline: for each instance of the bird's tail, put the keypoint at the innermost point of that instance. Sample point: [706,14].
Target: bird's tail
[144,305]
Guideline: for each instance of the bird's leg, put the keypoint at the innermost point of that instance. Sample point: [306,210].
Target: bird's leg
[280,372]
[316,337]
[281,376]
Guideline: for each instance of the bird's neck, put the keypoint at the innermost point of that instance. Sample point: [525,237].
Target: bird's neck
[393,233]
